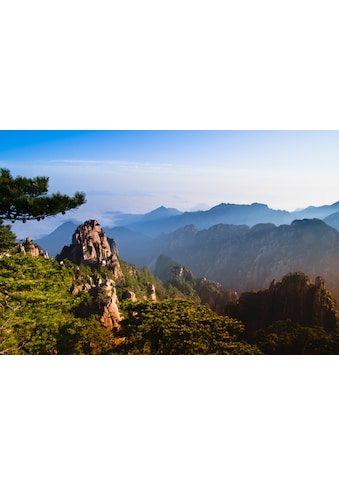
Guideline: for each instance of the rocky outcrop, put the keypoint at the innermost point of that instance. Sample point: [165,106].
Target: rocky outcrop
[90,246]
[104,300]
[294,298]
[30,248]
[129,295]
[108,304]
[150,291]
[202,290]
[213,294]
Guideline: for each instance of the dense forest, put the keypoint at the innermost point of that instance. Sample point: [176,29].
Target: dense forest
[59,307]
[40,314]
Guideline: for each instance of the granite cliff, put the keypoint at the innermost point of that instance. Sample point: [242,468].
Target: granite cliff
[90,246]
[295,298]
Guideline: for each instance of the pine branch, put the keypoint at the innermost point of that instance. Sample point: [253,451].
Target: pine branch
[25,199]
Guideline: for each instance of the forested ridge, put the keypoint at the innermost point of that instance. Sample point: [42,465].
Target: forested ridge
[41,313]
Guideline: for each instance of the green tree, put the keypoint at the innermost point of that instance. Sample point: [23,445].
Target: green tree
[179,327]
[23,198]
[290,338]
[7,238]
[39,314]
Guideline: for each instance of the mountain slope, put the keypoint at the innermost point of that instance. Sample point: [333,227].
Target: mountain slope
[54,242]
[333,220]
[134,247]
[124,219]
[316,212]
[295,298]
[244,258]
[222,213]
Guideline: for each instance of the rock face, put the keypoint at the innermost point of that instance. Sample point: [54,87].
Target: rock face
[90,246]
[294,298]
[129,295]
[110,315]
[30,248]
[150,291]
[104,300]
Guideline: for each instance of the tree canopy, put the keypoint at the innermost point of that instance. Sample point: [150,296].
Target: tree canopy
[7,237]
[179,327]
[23,198]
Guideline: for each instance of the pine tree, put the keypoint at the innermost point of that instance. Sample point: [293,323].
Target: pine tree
[23,198]
[7,238]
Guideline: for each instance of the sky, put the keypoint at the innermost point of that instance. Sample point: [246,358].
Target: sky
[138,171]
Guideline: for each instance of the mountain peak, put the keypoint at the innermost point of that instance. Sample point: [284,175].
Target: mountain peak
[90,246]
[161,212]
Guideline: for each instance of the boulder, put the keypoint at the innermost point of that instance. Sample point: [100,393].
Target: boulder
[129,295]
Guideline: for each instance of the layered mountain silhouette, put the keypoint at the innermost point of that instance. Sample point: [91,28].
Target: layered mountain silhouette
[244,247]
[136,220]
[222,213]
[316,212]
[244,258]
[162,220]
[333,220]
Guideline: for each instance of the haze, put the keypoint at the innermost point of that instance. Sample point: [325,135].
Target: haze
[137,171]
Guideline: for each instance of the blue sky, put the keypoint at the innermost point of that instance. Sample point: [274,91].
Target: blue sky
[137,171]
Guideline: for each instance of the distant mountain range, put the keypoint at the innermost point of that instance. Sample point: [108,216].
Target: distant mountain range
[122,219]
[244,258]
[242,246]
[166,220]
[60,237]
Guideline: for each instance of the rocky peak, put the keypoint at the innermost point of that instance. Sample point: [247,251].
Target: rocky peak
[90,246]
[30,248]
